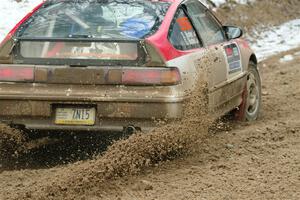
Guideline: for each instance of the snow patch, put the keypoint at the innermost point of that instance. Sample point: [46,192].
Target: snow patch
[277,39]
[286,58]
[11,12]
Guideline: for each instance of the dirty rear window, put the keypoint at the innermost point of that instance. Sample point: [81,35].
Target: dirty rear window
[108,19]
[87,32]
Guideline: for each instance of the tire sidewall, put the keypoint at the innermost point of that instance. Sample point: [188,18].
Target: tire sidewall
[253,70]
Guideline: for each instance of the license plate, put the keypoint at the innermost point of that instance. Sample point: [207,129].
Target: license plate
[75,116]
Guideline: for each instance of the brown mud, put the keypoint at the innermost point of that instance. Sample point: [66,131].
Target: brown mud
[11,143]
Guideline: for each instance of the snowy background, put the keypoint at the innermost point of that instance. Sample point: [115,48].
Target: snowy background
[267,43]
[11,12]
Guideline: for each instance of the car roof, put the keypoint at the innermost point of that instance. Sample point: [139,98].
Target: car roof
[171,1]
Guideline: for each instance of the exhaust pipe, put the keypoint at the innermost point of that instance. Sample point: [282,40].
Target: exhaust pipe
[130,129]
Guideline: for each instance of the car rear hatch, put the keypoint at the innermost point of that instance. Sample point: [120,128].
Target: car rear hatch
[73,60]
[77,61]
[87,43]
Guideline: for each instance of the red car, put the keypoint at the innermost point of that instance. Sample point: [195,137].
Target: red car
[119,65]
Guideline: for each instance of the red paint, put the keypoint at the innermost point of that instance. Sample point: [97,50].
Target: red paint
[57,47]
[240,113]
[243,43]
[160,39]
[229,51]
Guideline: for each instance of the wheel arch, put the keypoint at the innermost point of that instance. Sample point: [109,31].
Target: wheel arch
[253,59]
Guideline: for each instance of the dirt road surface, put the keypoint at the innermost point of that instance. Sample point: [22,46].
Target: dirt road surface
[257,160]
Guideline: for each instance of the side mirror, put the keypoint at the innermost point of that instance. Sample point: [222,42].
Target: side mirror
[233,32]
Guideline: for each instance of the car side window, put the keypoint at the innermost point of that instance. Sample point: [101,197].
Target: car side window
[182,34]
[205,24]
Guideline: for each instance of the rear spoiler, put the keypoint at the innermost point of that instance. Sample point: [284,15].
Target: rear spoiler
[139,60]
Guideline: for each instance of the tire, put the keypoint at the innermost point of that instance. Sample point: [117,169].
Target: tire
[250,107]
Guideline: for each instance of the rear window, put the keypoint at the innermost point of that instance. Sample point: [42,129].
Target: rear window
[88,32]
[107,19]
[79,50]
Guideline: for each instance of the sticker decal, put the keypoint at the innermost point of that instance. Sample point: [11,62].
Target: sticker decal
[233,58]
[184,24]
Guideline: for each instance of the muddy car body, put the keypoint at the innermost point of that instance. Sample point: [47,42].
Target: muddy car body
[64,69]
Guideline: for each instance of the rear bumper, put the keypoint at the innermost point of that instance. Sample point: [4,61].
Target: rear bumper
[110,116]
[33,105]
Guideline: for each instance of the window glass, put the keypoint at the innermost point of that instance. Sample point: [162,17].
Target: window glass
[110,19]
[182,34]
[205,24]
[82,50]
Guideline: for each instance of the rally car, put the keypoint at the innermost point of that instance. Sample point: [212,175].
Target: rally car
[115,65]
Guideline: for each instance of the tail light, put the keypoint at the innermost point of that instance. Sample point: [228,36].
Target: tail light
[145,76]
[16,74]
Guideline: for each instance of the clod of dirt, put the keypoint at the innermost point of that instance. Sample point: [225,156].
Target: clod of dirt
[11,143]
[143,185]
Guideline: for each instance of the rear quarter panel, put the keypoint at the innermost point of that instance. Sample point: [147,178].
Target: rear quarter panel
[246,53]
